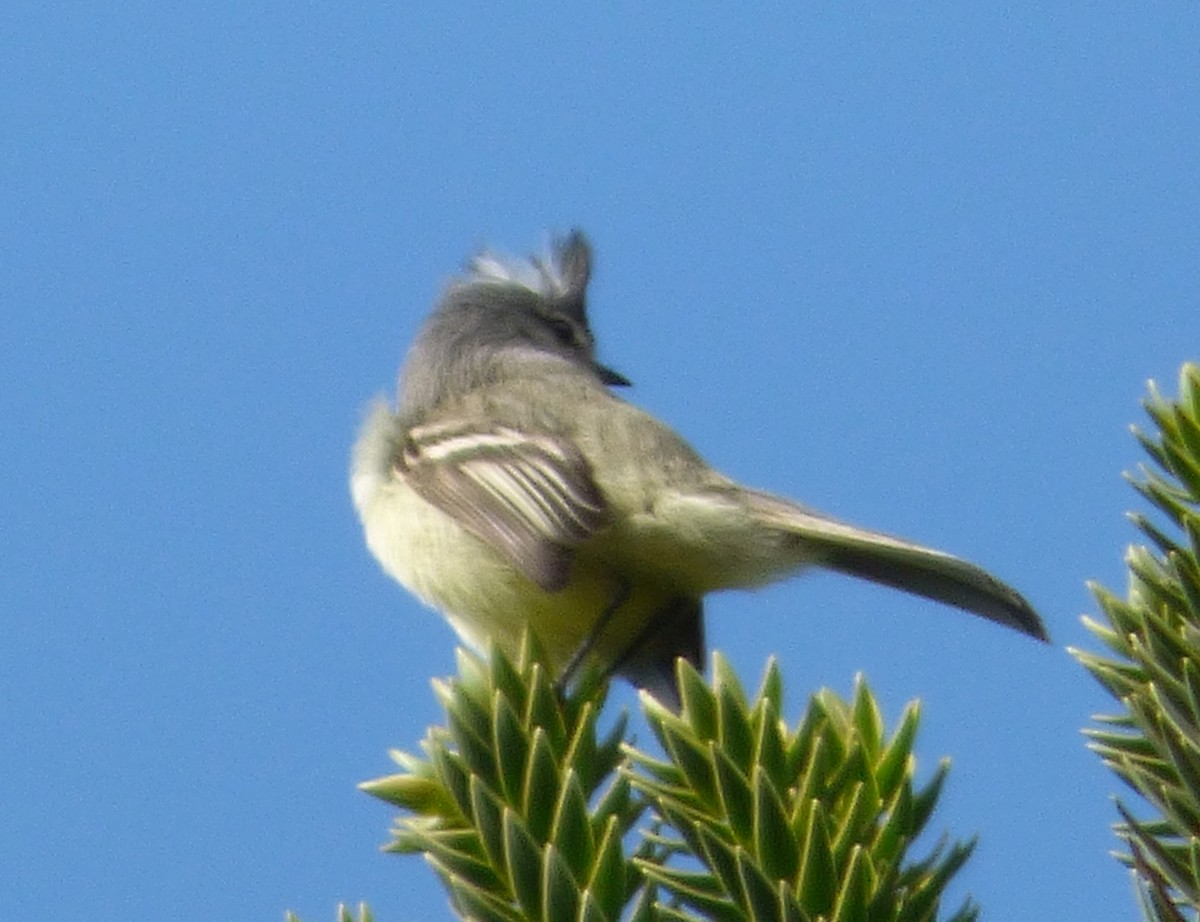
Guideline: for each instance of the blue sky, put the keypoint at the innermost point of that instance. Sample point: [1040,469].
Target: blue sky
[911,267]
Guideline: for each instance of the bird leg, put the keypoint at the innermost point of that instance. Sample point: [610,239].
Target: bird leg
[620,597]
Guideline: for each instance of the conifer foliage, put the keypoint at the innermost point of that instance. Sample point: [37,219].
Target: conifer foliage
[527,812]
[1152,667]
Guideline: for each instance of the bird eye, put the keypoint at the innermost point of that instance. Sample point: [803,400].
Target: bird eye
[563,330]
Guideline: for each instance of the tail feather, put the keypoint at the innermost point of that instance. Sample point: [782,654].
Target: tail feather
[902,565]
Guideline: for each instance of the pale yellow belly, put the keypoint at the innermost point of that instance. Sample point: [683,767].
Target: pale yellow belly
[486,599]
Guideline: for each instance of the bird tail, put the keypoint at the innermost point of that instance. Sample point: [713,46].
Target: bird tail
[898,563]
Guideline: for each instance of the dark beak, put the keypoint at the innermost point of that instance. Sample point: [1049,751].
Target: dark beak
[612,378]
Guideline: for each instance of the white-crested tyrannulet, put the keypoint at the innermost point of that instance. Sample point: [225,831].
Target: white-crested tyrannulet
[511,489]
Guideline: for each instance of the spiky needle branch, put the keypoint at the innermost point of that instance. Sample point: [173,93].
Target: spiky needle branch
[810,823]
[524,811]
[517,803]
[1154,667]
[343,915]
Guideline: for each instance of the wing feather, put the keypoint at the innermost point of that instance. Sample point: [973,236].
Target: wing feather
[530,496]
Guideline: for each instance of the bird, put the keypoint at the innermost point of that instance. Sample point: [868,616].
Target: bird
[513,489]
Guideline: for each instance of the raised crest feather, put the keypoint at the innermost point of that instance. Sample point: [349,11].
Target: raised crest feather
[561,275]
